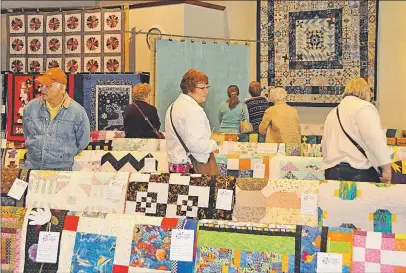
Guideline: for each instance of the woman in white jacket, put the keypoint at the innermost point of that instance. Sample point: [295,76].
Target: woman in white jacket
[192,125]
[355,122]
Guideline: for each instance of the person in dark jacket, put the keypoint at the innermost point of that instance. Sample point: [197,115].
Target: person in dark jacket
[135,125]
[256,105]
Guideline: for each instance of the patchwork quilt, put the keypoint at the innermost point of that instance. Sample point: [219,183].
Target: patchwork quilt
[379,252]
[175,195]
[312,48]
[8,176]
[139,145]
[77,41]
[279,201]
[79,191]
[12,220]
[247,247]
[327,240]
[296,168]
[14,158]
[367,206]
[244,165]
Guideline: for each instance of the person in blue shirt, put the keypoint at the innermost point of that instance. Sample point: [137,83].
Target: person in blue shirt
[56,128]
[232,112]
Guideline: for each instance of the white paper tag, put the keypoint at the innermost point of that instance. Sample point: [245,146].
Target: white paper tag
[114,190]
[182,241]
[308,204]
[329,262]
[150,165]
[233,164]
[47,251]
[17,189]
[259,171]
[4,143]
[3,109]
[224,199]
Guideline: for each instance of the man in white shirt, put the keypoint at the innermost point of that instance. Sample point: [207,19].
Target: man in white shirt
[342,160]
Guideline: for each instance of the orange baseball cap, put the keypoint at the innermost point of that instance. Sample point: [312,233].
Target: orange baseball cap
[53,75]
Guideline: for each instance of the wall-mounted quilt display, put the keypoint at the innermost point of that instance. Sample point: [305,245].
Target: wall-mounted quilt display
[3,115]
[224,64]
[379,207]
[21,89]
[174,195]
[79,191]
[77,41]
[105,96]
[312,48]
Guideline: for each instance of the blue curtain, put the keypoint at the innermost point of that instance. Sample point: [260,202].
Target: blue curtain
[224,65]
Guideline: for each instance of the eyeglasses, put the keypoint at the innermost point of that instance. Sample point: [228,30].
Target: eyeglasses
[203,87]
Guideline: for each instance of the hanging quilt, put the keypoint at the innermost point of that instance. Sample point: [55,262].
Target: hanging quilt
[76,41]
[293,149]
[132,161]
[312,48]
[276,201]
[247,247]
[296,167]
[139,145]
[379,252]
[8,176]
[379,207]
[12,220]
[113,234]
[312,139]
[251,137]
[327,240]
[111,101]
[79,191]
[28,258]
[177,195]
[3,115]
[311,150]
[88,96]
[21,90]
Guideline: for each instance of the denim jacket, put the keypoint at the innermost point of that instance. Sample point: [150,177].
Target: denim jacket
[52,144]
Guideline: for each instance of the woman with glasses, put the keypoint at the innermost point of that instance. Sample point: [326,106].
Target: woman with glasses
[354,144]
[232,111]
[189,143]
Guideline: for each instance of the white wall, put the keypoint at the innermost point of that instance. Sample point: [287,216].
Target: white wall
[204,22]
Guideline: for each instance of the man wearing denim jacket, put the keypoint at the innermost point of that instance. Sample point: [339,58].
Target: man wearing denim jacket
[56,128]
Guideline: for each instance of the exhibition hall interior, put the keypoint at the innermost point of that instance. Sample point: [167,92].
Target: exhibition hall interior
[261,136]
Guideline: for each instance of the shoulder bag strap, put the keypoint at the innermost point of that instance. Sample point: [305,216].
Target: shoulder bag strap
[188,154]
[243,116]
[147,120]
[350,138]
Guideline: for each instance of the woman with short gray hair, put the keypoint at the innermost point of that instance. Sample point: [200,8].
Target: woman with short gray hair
[281,122]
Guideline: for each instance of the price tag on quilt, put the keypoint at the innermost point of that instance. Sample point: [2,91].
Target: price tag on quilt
[114,190]
[308,204]
[47,251]
[329,262]
[259,171]
[150,165]
[182,241]
[17,189]
[224,199]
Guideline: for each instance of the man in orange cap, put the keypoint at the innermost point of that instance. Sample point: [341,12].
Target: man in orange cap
[56,128]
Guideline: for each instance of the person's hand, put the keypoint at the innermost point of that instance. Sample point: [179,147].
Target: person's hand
[386,176]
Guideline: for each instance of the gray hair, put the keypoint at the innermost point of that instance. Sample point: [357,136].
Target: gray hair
[277,94]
